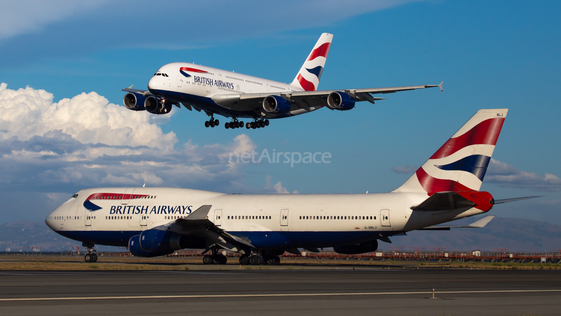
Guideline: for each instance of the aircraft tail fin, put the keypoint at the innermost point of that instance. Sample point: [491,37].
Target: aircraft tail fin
[310,73]
[461,163]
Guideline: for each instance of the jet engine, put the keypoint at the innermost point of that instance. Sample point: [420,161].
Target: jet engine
[341,101]
[152,243]
[157,106]
[134,101]
[369,246]
[276,104]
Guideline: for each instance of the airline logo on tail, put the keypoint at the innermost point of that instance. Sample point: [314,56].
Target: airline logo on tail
[309,75]
[461,163]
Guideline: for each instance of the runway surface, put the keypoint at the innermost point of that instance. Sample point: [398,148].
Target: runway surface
[362,291]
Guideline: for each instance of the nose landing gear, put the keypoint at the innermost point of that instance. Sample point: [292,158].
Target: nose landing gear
[90,256]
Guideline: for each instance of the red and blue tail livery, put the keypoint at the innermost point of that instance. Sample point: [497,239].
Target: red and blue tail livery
[461,163]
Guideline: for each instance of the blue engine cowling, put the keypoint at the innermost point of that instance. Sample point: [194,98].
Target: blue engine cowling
[341,101]
[156,106]
[134,101]
[276,104]
[357,248]
[152,243]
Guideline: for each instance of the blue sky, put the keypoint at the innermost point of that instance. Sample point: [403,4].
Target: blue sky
[63,126]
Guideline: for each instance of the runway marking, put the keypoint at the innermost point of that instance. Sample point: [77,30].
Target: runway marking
[264,295]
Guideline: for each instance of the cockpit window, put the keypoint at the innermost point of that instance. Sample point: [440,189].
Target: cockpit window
[161,74]
[74,196]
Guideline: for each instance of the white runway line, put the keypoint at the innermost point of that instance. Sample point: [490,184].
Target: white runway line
[265,295]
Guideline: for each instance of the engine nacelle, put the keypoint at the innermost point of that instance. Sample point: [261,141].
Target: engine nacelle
[357,248]
[156,106]
[341,101]
[134,101]
[276,104]
[151,243]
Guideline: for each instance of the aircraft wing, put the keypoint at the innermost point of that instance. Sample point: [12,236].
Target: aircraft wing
[198,223]
[477,224]
[305,99]
[143,92]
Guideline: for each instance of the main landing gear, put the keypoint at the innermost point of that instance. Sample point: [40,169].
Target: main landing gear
[257,124]
[90,256]
[234,124]
[256,259]
[212,122]
[215,257]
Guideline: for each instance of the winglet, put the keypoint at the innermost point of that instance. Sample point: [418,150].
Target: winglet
[200,213]
[440,86]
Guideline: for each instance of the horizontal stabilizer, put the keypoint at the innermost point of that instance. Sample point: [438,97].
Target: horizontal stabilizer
[516,199]
[477,224]
[444,201]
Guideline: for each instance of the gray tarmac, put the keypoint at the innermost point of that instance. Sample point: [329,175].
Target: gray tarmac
[334,291]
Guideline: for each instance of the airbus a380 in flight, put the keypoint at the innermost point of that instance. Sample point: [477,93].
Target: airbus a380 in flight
[159,221]
[237,96]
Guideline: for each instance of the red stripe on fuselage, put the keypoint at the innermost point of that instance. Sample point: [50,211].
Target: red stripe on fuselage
[320,51]
[484,133]
[114,196]
[193,70]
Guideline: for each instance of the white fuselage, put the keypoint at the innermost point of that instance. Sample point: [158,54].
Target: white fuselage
[269,221]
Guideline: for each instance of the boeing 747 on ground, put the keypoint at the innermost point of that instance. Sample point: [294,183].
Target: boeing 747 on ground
[237,96]
[159,221]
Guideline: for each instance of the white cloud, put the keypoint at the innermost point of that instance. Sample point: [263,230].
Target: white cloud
[405,169]
[505,175]
[88,118]
[86,141]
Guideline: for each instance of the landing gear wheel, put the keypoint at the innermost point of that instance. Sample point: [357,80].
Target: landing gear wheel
[248,125]
[216,122]
[207,124]
[93,257]
[266,122]
[254,260]
[227,125]
[88,257]
[273,260]
[240,124]
[244,259]
[207,259]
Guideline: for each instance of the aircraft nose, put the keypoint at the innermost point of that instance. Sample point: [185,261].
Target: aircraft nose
[49,220]
[152,83]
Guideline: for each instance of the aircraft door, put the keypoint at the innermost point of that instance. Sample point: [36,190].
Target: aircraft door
[143,221]
[217,217]
[127,196]
[179,81]
[284,218]
[385,217]
[87,218]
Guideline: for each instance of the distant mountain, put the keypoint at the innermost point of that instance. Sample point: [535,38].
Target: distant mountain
[18,236]
[516,235]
